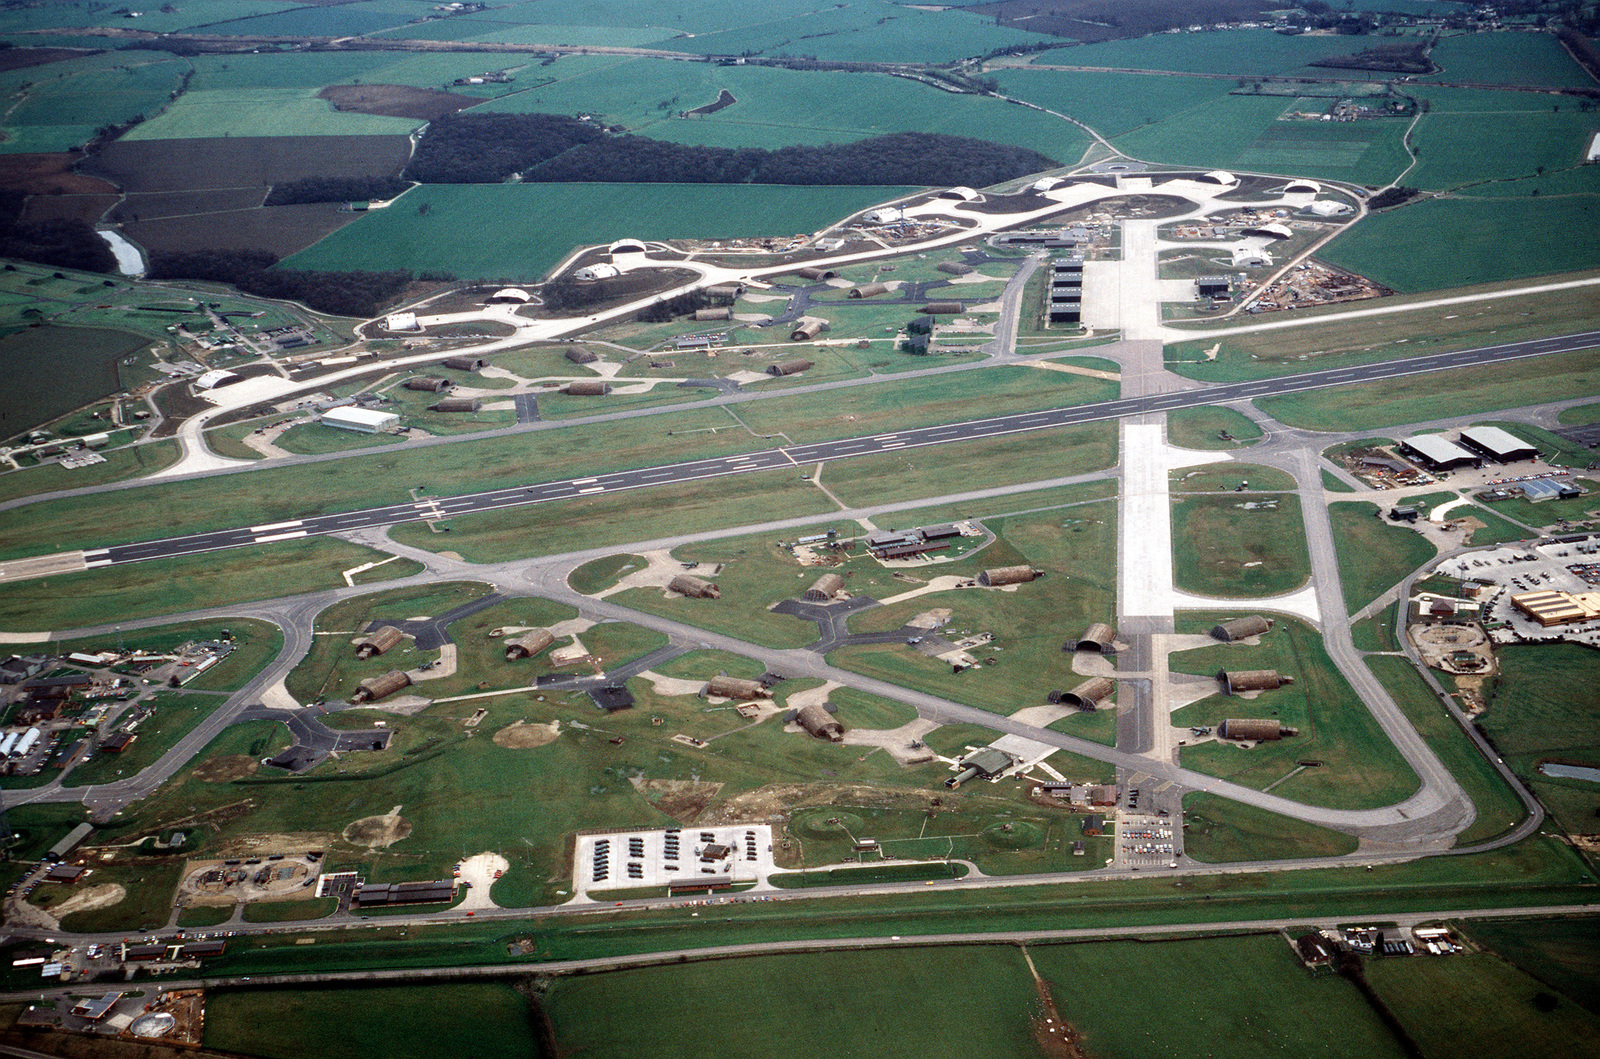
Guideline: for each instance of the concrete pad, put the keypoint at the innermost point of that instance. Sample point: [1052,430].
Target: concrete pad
[1302,602]
[42,566]
[671,685]
[943,583]
[479,870]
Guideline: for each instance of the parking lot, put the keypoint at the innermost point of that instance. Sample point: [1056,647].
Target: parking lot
[649,859]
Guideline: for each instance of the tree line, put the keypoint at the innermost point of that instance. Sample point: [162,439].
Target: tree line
[355,293]
[335,189]
[62,243]
[485,148]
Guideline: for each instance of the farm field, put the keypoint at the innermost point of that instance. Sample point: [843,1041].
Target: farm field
[1240,52]
[1533,59]
[64,112]
[1532,134]
[1360,767]
[540,224]
[1563,953]
[40,389]
[230,112]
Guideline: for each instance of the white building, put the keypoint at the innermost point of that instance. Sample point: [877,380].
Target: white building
[361,420]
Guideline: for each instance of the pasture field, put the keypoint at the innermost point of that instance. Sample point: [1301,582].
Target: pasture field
[1499,808]
[1418,399]
[1341,343]
[60,114]
[230,112]
[372,1022]
[926,1004]
[171,586]
[1527,140]
[1253,1000]
[1534,59]
[1219,830]
[1241,52]
[1563,953]
[538,225]
[1474,1006]
[1361,768]
[1235,545]
[1374,553]
[1493,240]
[255,644]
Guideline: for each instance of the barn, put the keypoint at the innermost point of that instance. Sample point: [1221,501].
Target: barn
[788,367]
[694,587]
[1256,729]
[587,388]
[1090,695]
[723,686]
[457,404]
[869,290]
[529,644]
[824,588]
[1235,681]
[1008,575]
[1240,628]
[381,687]
[377,641]
[1097,637]
[816,720]
[429,384]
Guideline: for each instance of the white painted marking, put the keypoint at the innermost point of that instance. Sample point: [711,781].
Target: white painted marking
[593,488]
[584,481]
[893,445]
[277,526]
[97,562]
[269,538]
[883,437]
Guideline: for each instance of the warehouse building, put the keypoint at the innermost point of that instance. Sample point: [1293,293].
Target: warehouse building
[788,367]
[1235,681]
[1241,628]
[528,644]
[438,891]
[1437,452]
[373,689]
[723,686]
[1497,444]
[1088,696]
[429,384]
[377,641]
[816,720]
[1097,637]
[587,388]
[988,763]
[360,420]
[457,404]
[1008,575]
[1254,729]
[1552,607]
[1542,489]
[694,587]
[824,588]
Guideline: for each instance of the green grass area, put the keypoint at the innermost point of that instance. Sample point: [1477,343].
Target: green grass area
[1227,477]
[1360,767]
[612,519]
[1582,415]
[1418,398]
[255,644]
[372,1022]
[1325,340]
[315,438]
[1502,239]
[199,916]
[175,715]
[539,224]
[1533,59]
[149,887]
[597,575]
[1238,52]
[1562,953]
[1334,484]
[1248,544]
[1072,545]
[1374,553]
[898,872]
[1498,806]
[290,911]
[1199,428]
[262,112]
[960,995]
[1009,504]
[170,586]
[1218,830]
[1377,633]
[1246,996]
[62,112]
[130,462]
[1475,1005]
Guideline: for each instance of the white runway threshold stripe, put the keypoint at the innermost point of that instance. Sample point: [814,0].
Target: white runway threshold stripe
[291,535]
[291,524]
[593,489]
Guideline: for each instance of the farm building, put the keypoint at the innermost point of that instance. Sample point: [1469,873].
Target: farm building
[1090,695]
[529,644]
[807,328]
[942,308]
[788,367]
[813,273]
[1008,575]
[1550,607]
[869,290]
[694,587]
[987,763]
[723,686]
[954,268]
[429,384]
[457,404]
[381,687]
[1239,628]
[824,588]
[1235,681]
[379,640]
[1257,729]
[582,355]
[1497,444]
[510,296]
[723,313]
[466,363]
[1437,452]
[361,420]
[587,388]
[1097,637]
[819,722]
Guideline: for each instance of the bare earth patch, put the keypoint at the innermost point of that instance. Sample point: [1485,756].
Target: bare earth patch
[377,832]
[277,842]
[103,896]
[396,101]
[225,768]
[683,800]
[522,735]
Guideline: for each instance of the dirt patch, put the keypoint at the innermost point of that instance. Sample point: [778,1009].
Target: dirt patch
[377,832]
[49,174]
[683,800]
[245,161]
[22,58]
[765,803]
[103,896]
[522,735]
[277,842]
[396,101]
[225,768]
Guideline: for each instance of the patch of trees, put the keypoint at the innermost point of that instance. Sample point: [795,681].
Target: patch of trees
[63,243]
[488,148]
[1392,58]
[1392,197]
[340,293]
[664,311]
[335,189]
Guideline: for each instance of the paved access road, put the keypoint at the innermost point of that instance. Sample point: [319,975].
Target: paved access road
[795,456]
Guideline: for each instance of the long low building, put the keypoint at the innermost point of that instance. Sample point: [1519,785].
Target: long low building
[1497,444]
[360,420]
[1255,729]
[1553,607]
[1437,452]
[1237,681]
